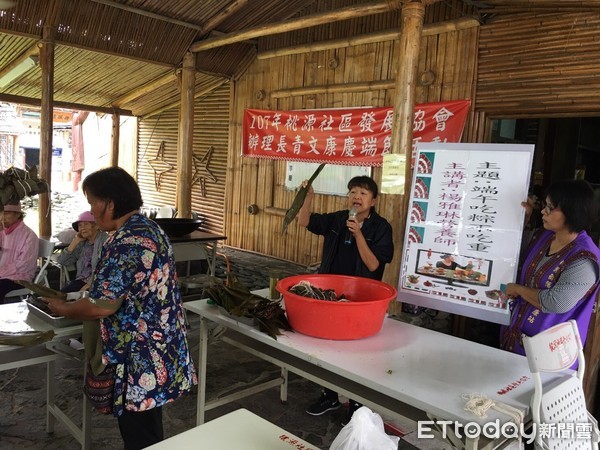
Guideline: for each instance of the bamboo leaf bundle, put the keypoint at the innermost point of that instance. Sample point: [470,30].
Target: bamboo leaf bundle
[299,200]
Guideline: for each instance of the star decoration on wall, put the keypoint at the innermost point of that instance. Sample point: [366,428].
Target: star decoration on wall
[202,171]
[159,165]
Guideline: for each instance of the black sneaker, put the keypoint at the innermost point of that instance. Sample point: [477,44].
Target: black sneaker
[323,405]
[351,408]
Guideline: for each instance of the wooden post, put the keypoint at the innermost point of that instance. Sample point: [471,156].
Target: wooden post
[45,169]
[116,129]
[186,137]
[408,51]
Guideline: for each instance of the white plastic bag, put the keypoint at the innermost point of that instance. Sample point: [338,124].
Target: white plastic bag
[364,432]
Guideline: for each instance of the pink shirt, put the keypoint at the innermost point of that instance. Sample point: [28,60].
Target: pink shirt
[18,253]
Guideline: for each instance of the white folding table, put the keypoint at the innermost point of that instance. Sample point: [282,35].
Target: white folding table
[238,430]
[404,371]
[15,317]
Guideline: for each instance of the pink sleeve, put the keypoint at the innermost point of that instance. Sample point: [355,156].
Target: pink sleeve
[25,260]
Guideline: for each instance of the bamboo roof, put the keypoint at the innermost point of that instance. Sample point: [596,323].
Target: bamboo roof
[124,55]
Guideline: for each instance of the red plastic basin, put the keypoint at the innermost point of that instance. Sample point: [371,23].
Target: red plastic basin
[358,318]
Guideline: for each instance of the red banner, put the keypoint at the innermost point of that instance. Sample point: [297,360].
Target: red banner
[352,136]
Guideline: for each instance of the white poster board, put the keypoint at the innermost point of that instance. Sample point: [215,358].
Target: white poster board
[332,180]
[465,202]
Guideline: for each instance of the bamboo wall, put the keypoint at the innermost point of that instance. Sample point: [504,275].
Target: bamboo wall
[540,65]
[450,56]
[211,127]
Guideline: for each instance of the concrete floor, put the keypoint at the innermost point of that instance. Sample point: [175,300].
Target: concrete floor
[22,391]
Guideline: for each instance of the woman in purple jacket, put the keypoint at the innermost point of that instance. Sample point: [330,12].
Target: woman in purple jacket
[559,278]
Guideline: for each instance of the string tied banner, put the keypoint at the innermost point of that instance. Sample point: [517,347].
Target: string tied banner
[351,136]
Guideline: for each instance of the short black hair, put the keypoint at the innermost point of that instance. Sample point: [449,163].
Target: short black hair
[575,198]
[116,185]
[364,182]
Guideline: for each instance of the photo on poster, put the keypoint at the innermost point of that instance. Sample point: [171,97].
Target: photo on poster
[421,187]
[418,212]
[425,162]
[454,270]
[464,227]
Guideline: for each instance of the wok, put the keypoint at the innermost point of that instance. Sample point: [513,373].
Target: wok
[179,227]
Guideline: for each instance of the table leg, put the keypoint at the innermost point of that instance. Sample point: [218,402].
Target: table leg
[50,395]
[213,258]
[471,443]
[447,434]
[86,422]
[54,413]
[202,358]
[284,385]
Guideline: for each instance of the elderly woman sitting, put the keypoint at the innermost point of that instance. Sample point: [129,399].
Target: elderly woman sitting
[83,251]
[18,250]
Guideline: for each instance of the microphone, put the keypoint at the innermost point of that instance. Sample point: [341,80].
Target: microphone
[351,215]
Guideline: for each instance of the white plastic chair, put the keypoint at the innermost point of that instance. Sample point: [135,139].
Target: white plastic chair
[64,275]
[559,412]
[45,250]
[188,252]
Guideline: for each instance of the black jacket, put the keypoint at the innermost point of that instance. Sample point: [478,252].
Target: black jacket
[346,260]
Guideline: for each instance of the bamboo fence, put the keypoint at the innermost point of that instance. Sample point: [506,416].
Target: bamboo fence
[211,128]
[539,65]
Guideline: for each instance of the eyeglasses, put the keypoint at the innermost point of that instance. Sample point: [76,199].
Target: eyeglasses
[548,209]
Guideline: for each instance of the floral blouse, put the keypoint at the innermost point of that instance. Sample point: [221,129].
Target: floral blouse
[146,336]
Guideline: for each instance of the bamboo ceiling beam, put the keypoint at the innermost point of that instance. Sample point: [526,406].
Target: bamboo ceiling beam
[144,13]
[371,38]
[215,21]
[34,50]
[66,105]
[350,12]
[335,88]
[89,48]
[148,87]
[538,9]
[235,6]
[175,104]
[547,3]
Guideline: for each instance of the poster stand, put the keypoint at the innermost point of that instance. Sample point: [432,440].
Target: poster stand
[464,227]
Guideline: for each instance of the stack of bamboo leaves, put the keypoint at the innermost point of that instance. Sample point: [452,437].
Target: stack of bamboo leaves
[238,301]
[16,184]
